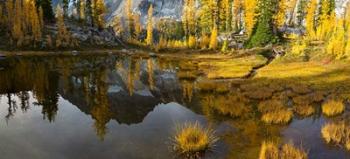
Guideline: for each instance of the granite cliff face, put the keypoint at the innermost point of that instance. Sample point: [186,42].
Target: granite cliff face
[162,8]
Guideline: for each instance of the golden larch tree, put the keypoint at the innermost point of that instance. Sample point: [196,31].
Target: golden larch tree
[310,19]
[63,37]
[213,38]
[149,39]
[280,17]
[250,15]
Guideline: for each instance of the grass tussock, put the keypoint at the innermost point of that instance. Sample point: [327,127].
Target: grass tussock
[193,138]
[333,107]
[274,112]
[277,117]
[337,133]
[232,105]
[270,150]
[304,110]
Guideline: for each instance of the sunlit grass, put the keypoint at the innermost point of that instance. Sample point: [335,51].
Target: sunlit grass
[277,117]
[274,112]
[333,107]
[304,110]
[193,138]
[231,68]
[270,150]
[337,133]
[210,86]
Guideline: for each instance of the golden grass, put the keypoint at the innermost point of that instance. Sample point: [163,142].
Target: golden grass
[210,86]
[277,117]
[230,68]
[304,110]
[232,105]
[291,70]
[193,138]
[337,133]
[274,112]
[270,150]
[189,75]
[333,107]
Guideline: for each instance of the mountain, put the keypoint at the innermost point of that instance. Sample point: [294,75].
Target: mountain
[162,8]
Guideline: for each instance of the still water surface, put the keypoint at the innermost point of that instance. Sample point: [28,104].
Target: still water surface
[127,107]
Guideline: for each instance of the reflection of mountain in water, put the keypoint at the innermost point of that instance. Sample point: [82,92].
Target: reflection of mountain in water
[107,88]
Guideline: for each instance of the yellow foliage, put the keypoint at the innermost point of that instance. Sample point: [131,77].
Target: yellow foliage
[280,17]
[213,38]
[192,138]
[205,40]
[336,44]
[189,17]
[310,19]
[149,39]
[298,47]
[192,42]
[63,37]
[250,15]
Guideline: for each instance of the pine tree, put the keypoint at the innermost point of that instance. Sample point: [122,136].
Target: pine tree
[46,5]
[250,14]
[88,13]
[149,39]
[264,32]
[65,7]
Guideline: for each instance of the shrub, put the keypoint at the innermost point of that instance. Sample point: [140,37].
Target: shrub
[193,138]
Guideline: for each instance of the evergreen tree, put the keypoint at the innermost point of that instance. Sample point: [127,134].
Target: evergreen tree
[65,7]
[264,30]
[88,13]
[46,5]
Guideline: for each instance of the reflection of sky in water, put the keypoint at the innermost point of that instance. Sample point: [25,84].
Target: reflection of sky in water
[72,135]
